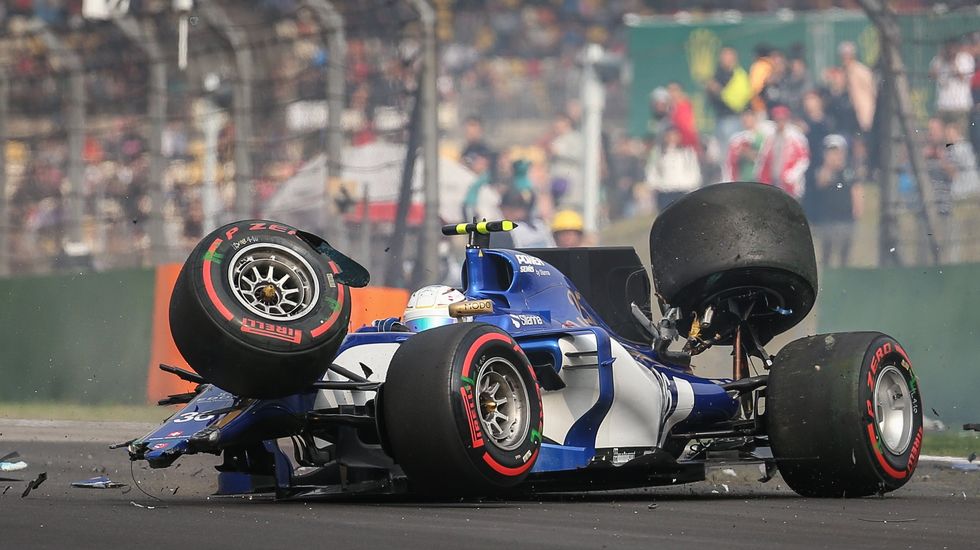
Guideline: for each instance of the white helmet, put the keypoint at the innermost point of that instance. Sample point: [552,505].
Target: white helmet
[428,307]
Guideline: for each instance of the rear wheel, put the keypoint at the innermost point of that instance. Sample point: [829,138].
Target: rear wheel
[844,414]
[743,249]
[462,410]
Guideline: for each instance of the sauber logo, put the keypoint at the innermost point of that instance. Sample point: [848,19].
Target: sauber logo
[270,330]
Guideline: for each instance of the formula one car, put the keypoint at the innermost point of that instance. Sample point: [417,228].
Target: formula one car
[546,372]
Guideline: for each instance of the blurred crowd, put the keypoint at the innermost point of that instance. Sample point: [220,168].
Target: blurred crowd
[815,139]
[509,87]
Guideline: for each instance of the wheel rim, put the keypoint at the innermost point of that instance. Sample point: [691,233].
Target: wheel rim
[273,282]
[504,403]
[893,410]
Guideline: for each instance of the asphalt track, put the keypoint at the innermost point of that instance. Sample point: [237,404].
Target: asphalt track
[940,508]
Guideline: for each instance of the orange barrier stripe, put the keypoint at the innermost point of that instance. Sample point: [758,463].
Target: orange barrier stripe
[367,304]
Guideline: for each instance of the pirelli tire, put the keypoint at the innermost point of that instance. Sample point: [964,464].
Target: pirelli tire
[439,401]
[728,239]
[256,310]
[844,415]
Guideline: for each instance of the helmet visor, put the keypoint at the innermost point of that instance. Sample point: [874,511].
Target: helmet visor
[425,323]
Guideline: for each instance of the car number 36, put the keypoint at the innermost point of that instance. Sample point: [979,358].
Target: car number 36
[193,416]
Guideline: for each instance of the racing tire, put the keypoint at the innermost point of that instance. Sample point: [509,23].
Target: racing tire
[257,310]
[726,239]
[441,394]
[844,414]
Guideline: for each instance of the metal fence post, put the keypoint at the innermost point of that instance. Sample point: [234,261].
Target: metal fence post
[428,251]
[76,131]
[593,102]
[333,23]
[241,105]
[143,36]
[5,225]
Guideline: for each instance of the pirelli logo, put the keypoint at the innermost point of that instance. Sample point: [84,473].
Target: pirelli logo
[269,330]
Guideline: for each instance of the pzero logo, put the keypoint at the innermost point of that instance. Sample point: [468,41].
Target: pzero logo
[269,330]
[520,320]
[524,259]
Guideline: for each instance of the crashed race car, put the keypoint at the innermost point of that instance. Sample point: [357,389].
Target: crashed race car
[545,372]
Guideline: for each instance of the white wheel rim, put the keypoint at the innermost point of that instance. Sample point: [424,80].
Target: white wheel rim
[504,403]
[893,410]
[273,282]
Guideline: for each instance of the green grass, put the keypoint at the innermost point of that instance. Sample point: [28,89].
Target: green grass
[75,411]
[951,443]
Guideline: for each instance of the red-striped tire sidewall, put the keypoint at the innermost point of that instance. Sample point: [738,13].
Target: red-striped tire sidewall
[233,347]
[497,464]
[894,468]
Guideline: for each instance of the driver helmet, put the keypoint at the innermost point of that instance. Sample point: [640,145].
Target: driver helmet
[428,307]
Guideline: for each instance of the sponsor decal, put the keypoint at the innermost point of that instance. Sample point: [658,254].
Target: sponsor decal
[469,403]
[223,396]
[193,416]
[527,269]
[330,282]
[270,330]
[212,256]
[524,319]
[470,307]
[244,241]
[543,273]
[524,259]
[159,446]
[916,449]
[174,434]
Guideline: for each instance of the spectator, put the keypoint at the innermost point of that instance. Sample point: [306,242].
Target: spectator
[626,173]
[760,73]
[475,144]
[785,155]
[797,83]
[682,117]
[817,126]
[659,112]
[531,232]
[860,85]
[774,92]
[952,70]
[975,90]
[482,198]
[567,149]
[672,170]
[833,202]
[744,147]
[837,104]
[729,93]
[568,229]
[965,182]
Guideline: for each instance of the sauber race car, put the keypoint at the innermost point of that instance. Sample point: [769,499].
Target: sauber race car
[545,372]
